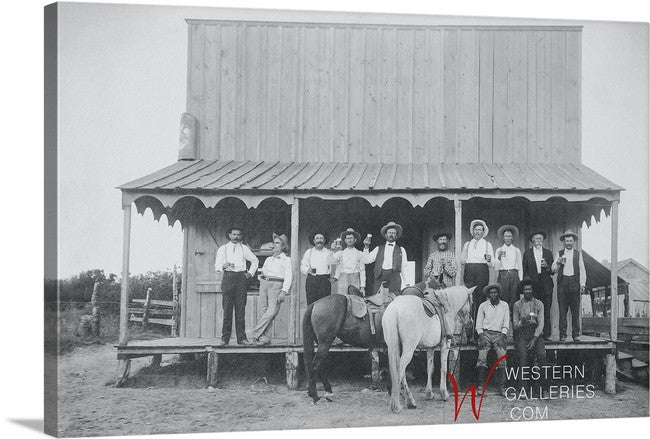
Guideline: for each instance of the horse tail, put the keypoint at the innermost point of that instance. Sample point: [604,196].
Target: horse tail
[391,337]
[308,337]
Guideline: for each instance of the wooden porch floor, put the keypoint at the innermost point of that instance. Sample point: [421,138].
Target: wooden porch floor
[179,345]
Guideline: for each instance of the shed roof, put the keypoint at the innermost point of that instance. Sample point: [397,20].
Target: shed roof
[575,182]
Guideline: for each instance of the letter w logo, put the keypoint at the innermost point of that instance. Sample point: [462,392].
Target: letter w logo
[472,388]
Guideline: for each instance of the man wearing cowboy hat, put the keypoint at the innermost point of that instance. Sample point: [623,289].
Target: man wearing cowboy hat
[492,326]
[571,281]
[390,259]
[507,263]
[350,268]
[537,262]
[442,261]
[231,260]
[477,257]
[316,265]
[275,282]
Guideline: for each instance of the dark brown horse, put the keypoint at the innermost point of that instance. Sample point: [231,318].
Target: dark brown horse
[328,318]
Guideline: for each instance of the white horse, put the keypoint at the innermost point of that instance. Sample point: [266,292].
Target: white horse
[407,326]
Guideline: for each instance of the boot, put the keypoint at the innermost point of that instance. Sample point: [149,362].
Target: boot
[481,373]
[501,380]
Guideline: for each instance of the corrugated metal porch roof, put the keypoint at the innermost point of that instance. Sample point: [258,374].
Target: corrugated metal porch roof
[263,176]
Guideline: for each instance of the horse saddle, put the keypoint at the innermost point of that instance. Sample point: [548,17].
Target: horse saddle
[357,306]
[431,306]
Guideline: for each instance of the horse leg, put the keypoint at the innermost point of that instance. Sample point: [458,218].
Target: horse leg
[444,354]
[323,374]
[429,389]
[408,348]
[391,336]
[308,354]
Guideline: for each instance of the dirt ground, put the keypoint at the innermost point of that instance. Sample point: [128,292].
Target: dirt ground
[252,396]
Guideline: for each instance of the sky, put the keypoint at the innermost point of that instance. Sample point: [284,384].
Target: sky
[122,86]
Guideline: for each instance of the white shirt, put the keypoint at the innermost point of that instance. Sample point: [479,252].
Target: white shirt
[371,256]
[350,260]
[237,254]
[318,259]
[568,267]
[280,267]
[474,252]
[511,260]
[538,252]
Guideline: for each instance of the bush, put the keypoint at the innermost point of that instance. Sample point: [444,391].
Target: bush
[76,291]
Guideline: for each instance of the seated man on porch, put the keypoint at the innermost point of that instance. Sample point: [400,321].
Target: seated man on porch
[390,259]
[492,326]
[528,322]
[231,260]
[275,282]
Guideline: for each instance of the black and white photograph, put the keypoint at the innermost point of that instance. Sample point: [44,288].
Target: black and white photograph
[273,218]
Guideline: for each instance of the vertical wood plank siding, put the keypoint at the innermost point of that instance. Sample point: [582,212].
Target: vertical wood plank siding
[390,94]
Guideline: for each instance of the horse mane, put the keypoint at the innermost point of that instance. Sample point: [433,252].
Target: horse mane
[447,299]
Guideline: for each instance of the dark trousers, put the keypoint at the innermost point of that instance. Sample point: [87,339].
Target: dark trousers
[476,275]
[233,289]
[509,280]
[522,337]
[317,287]
[546,297]
[568,298]
[392,279]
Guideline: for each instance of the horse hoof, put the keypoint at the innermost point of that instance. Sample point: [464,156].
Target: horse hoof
[428,394]
[444,396]
[396,408]
[329,397]
[410,405]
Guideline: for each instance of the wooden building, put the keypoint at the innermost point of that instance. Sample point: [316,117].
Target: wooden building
[293,126]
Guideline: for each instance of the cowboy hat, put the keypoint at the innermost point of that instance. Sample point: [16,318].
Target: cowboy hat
[505,228]
[539,232]
[477,222]
[350,231]
[440,235]
[285,241]
[391,225]
[496,286]
[568,233]
[313,235]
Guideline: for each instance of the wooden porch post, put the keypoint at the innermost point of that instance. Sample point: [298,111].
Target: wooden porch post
[458,232]
[124,365]
[294,300]
[613,273]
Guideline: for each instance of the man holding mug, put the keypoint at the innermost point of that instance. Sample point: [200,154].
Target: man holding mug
[316,265]
[508,264]
[537,262]
[528,323]
[571,281]
[477,257]
[231,260]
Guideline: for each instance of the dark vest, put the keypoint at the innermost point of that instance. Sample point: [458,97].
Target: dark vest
[397,259]
[576,266]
